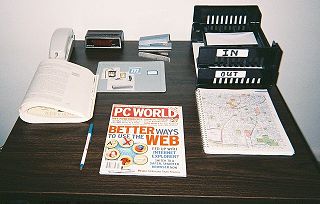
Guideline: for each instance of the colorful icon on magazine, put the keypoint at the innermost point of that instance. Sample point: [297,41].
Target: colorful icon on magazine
[140,148]
[112,154]
[111,143]
[140,159]
[126,142]
[126,160]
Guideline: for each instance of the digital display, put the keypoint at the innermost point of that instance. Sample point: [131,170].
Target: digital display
[103,43]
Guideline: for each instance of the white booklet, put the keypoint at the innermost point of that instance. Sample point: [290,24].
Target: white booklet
[240,122]
[60,92]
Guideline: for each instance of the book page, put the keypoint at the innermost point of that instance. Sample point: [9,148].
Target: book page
[61,86]
[241,122]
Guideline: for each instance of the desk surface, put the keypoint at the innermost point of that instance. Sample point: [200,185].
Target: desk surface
[41,161]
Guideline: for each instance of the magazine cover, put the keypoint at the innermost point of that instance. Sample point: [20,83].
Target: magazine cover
[144,140]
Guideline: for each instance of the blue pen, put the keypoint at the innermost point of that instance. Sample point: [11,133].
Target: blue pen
[86,146]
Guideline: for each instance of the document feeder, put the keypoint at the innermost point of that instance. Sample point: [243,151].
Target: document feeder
[248,65]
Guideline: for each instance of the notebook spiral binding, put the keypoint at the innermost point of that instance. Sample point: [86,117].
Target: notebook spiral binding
[202,121]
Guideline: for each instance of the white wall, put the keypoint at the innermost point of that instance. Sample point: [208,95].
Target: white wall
[26,28]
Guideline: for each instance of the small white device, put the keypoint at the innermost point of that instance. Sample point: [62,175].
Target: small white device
[61,44]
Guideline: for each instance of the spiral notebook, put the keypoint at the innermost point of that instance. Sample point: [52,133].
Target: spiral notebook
[240,122]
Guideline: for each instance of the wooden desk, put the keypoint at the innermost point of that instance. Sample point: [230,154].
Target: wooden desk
[41,162]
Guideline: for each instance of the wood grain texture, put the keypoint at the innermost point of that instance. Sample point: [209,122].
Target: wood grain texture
[40,162]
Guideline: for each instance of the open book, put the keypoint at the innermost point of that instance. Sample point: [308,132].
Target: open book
[60,92]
